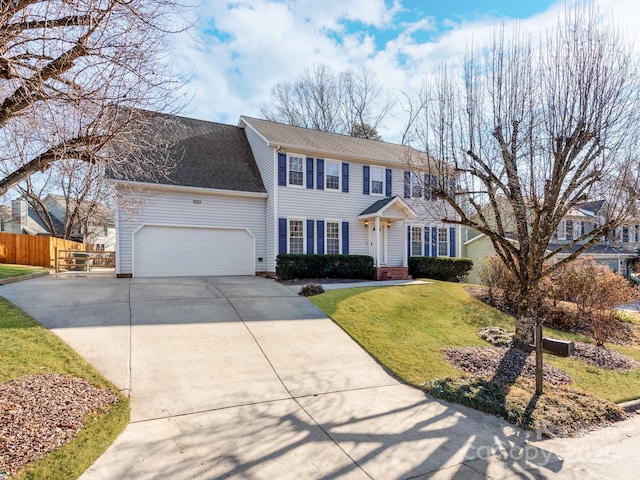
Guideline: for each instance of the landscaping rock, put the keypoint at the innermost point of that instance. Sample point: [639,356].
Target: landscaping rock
[603,357]
[503,362]
[41,413]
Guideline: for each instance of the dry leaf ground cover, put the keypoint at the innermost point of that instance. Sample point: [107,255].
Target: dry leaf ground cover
[51,400]
[409,329]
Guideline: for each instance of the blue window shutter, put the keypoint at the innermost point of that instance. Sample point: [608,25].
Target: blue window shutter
[310,236]
[320,176]
[407,184]
[409,240]
[365,179]
[282,235]
[345,238]
[309,173]
[427,244]
[434,241]
[387,185]
[452,242]
[320,233]
[434,184]
[345,177]
[282,169]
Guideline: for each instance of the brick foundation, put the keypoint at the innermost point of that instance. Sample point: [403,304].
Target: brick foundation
[392,273]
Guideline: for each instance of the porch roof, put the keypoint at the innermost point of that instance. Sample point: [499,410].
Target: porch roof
[377,209]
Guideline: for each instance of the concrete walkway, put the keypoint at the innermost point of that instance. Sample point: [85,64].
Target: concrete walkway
[238,377]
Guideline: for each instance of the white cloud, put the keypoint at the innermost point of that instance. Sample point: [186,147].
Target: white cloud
[260,42]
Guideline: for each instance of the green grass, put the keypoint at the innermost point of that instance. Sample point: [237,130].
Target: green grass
[27,348]
[10,271]
[405,327]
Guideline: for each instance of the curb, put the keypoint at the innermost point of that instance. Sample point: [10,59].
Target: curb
[29,276]
[632,406]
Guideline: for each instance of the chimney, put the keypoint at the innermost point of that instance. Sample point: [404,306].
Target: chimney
[19,213]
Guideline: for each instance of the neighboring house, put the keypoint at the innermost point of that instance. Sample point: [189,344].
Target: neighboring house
[618,251]
[240,195]
[98,231]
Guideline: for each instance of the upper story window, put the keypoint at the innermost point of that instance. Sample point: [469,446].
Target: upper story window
[333,238]
[377,181]
[296,236]
[295,170]
[416,185]
[332,175]
[416,241]
[443,242]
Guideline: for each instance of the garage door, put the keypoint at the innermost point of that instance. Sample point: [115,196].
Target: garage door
[161,251]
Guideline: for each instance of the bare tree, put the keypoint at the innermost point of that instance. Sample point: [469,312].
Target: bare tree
[73,76]
[69,197]
[533,128]
[350,103]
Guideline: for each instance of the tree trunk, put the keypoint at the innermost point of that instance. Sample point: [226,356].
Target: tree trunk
[525,331]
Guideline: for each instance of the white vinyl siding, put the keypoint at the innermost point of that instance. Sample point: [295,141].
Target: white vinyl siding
[176,208]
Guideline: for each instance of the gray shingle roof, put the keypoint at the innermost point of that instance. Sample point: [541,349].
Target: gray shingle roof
[377,206]
[324,143]
[208,155]
[597,249]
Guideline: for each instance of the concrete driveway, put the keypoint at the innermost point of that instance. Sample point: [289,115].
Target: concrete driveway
[238,377]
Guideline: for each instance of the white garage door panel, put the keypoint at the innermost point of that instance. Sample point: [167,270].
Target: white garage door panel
[184,251]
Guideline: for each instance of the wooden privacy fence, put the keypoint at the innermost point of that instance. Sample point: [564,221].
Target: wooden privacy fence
[33,250]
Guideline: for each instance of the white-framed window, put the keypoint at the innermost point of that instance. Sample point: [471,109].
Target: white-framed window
[416,185]
[562,230]
[332,237]
[295,170]
[416,241]
[332,175]
[377,181]
[296,236]
[577,229]
[443,242]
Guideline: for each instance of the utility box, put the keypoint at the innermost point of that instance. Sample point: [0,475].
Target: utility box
[561,348]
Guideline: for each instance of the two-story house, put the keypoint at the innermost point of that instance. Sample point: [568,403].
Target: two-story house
[241,195]
[97,227]
[617,251]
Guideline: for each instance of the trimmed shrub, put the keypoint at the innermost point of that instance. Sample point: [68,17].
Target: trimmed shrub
[440,268]
[290,266]
[311,289]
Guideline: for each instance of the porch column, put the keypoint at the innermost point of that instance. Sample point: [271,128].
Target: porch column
[405,254]
[377,227]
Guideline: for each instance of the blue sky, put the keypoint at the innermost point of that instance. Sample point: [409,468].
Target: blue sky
[240,48]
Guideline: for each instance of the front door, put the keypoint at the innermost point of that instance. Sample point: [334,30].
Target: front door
[373,243]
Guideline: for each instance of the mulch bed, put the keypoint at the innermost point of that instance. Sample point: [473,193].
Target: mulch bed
[41,413]
[507,363]
[603,357]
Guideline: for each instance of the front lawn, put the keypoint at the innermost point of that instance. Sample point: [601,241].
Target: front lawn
[10,271]
[26,348]
[405,328]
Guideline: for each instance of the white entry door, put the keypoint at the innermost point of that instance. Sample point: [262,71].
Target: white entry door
[373,243]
